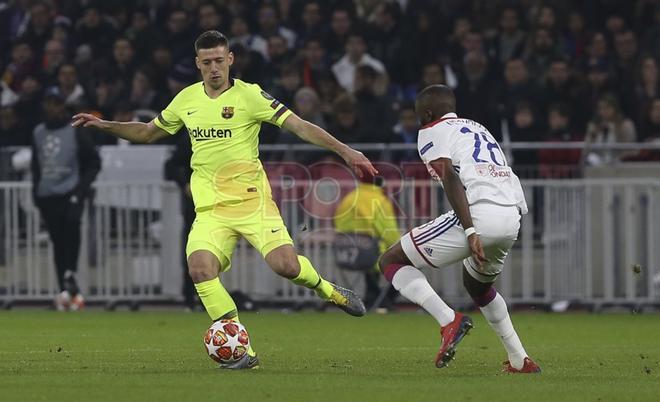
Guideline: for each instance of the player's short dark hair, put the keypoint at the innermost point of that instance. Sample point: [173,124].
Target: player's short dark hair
[211,39]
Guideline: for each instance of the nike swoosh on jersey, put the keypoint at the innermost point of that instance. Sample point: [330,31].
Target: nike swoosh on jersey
[194,111]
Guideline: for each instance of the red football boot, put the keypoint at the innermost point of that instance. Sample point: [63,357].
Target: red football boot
[529,367]
[452,334]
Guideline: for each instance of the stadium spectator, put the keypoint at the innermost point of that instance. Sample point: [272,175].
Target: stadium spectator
[346,126]
[182,75]
[29,101]
[461,28]
[405,131]
[561,86]
[240,34]
[161,60]
[647,87]
[178,35]
[269,25]
[142,34]
[328,90]
[95,31]
[651,125]
[54,56]
[609,126]
[597,49]
[209,17]
[306,104]
[248,65]
[547,19]
[123,65]
[626,62]
[474,87]
[509,42]
[40,25]
[278,52]
[64,165]
[69,86]
[372,107]
[650,133]
[575,36]
[599,83]
[12,129]
[356,55]
[341,25]
[387,43]
[7,96]
[525,127]
[312,23]
[516,88]
[314,61]
[143,94]
[288,83]
[541,51]
[22,64]
[559,163]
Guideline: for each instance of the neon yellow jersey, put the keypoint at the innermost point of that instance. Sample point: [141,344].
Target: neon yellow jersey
[224,133]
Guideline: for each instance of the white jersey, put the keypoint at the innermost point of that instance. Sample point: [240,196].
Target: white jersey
[476,157]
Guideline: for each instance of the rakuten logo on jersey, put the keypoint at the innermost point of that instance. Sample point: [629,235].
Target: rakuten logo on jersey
[205,134]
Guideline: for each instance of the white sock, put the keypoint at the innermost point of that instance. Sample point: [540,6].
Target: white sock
[498,317]
[412,284]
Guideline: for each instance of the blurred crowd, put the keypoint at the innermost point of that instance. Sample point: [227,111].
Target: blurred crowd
[530,70]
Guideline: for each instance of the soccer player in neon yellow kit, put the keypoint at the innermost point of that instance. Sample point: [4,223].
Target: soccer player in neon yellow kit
[229,186]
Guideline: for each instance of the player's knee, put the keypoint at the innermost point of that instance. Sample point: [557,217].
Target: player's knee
[389,257]
[201,268]
[482,293]
[287,266]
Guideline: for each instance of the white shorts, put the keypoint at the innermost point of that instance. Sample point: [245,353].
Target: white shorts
[442,241]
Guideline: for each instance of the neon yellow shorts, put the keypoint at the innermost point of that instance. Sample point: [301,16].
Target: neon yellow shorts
[217,230]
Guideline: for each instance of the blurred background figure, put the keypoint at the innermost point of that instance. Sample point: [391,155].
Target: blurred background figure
[609,126]
[64,165]
[177,169]
[368,211]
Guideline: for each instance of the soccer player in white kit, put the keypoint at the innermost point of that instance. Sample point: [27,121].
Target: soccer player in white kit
[487,202]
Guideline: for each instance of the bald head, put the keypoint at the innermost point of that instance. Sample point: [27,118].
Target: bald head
[434,102]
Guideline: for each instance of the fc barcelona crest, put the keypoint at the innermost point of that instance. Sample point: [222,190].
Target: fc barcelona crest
[228,112]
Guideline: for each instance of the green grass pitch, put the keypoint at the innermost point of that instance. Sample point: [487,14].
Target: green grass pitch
[158,356]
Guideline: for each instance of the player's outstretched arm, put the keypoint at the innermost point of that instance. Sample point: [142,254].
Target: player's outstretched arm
[458,200]
[132,131]
[316,135]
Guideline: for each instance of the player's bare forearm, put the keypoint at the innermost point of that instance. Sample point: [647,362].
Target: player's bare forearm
[132,131]
[314,134]
[454,190]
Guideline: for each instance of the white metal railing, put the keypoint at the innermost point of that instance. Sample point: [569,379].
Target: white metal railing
[579,242]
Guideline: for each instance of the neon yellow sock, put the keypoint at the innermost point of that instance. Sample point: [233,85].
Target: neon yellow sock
[309,278]
[216,300]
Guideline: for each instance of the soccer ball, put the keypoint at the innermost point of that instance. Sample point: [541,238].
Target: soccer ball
[226,341]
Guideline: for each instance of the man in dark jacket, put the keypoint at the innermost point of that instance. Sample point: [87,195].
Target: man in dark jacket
[64,165]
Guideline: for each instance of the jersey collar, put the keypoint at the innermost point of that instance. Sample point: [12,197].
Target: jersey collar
[444,117]
[231,85]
